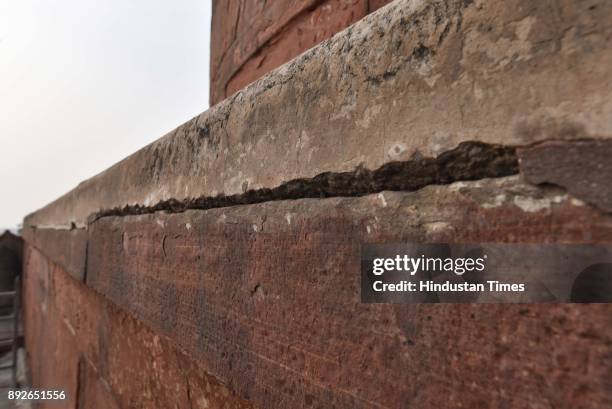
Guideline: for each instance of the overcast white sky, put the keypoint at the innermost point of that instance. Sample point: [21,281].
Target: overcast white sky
[84,83]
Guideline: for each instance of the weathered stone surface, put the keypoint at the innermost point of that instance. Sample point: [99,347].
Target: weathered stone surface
[583,168]
[102,357]
[239,29]
[469,161]
[50,347]
[93,392]
[251,38]
[374,5]
[304,31]
[68,248]
[266,298]
[411,80]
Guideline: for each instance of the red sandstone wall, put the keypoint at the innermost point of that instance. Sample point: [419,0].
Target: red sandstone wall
[252,37]
[99,355]
[265,296]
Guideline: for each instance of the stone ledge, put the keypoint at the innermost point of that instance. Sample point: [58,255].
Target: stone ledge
[411,80]
[212,282]
[228,286]
[67,248]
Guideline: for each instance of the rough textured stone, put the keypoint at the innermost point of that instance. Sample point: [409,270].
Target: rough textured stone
[469,161]
[583,168]
[102,357]
[262,300]
[64,247]
[266,297]
[413,79]
[250,38]
[239,29]
[50,347]
[302,33]
[93,392]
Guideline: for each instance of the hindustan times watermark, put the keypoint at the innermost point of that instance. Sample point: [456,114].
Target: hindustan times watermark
[486,273]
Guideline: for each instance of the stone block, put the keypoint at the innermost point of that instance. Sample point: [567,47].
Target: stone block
[266,298]
[100,355]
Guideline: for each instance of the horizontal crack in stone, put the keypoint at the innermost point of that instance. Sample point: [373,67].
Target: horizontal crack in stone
[468,161]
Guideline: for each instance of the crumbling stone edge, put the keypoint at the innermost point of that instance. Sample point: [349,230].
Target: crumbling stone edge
[470,160]
[564,164]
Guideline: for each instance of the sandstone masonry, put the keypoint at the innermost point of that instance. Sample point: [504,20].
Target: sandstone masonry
[228,250]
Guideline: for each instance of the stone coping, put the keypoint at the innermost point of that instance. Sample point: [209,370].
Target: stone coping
[412,80]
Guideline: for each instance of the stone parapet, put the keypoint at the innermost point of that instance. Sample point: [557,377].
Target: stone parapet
[234,240]
[412,80]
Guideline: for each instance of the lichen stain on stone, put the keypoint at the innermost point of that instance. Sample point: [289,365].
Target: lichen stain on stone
[532,204]
[436,227]
[497,201]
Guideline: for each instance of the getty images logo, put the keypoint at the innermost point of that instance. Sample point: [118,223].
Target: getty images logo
[412,265]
